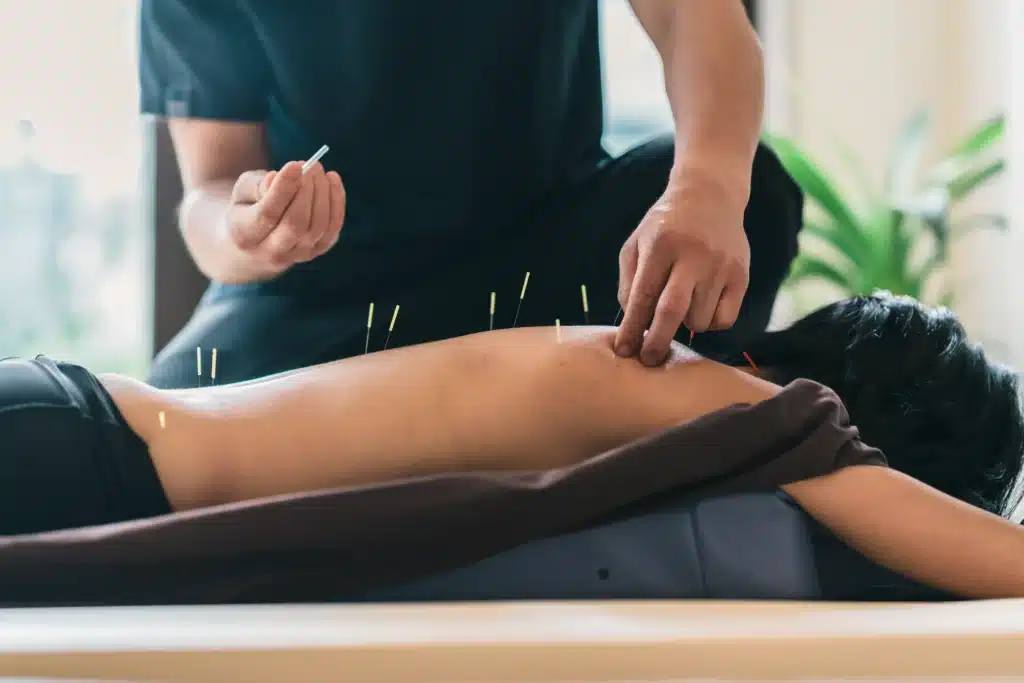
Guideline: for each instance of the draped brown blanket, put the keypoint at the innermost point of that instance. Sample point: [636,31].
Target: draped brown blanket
[325,545]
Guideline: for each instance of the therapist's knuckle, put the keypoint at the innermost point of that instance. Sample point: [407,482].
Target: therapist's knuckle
[285,187]
[657,240]
[719,259]
[725,319]
[323,216]
[268,215]
[288,233]
[664,237]
[739,273]
[291,172]
[628,249]
[245,187]
[279,261]
[239,231]
[648,292]
[670,309]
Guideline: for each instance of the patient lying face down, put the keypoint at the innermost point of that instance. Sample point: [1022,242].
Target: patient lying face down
[916,389]
[540,398]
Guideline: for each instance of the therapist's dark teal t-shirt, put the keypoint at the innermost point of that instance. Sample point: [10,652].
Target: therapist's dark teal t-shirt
[448,120]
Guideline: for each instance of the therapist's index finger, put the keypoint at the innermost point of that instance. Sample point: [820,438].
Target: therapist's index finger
[276,194]
[285,182]
[264,185]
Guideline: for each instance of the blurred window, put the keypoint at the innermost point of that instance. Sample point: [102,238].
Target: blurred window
[636,107]
[74,271]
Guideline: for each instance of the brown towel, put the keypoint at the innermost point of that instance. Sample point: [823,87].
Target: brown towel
[328,544]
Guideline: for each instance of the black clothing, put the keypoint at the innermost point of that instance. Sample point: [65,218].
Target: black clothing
[573,240]
[68,458]
[448,120]
[468,137]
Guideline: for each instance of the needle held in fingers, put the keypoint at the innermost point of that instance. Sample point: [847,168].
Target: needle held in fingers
[315,158]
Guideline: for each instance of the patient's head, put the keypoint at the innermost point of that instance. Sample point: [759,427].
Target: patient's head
[916,389]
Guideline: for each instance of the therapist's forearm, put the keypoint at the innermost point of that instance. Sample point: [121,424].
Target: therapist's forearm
[202,222]
[714,77]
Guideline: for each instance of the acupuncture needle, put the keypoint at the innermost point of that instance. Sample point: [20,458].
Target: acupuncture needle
[522,294]
[751,361]
[369,324]
[558,330]
[213,367]
[199,364]
[586,306]
[493,295]
[391,327]
[315,158]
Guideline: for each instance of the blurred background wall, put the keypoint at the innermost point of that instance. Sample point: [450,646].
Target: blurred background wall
[855,72]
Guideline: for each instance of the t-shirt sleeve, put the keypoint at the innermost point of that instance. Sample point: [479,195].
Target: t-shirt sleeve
[201,59]
[849,450]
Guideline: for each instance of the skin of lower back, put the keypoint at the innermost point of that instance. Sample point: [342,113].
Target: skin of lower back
[507,400]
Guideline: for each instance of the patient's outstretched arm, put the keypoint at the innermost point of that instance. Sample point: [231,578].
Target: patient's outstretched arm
[917,531]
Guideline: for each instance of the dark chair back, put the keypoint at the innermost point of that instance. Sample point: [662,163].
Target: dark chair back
[177,283]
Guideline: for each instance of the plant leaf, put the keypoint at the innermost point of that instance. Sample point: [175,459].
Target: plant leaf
[965,152]
[905,161]
[810,267]
[871,194]
[878,229]
[934,262]
[932,208]
[809,176]
[980,139]
[841,240]
[898,253]
[930,205]
[964,184]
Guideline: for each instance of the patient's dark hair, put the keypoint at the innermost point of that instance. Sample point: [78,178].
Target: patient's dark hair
[915,388]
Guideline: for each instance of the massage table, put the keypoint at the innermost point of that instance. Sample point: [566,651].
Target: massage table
[519,642]
[624,600]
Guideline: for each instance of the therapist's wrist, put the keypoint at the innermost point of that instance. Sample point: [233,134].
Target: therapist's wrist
[721,176]
[205,226]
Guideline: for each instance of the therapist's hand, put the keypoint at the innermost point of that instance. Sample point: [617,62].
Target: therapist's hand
[688,263]
[284,217]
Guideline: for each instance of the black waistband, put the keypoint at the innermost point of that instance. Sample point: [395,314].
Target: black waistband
[67,457]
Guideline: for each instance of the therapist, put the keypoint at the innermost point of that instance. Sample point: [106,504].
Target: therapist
[465,152]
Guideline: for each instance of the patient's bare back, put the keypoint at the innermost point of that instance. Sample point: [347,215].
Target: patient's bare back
[530,398]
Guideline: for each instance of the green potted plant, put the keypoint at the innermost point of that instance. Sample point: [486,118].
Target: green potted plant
[897,238]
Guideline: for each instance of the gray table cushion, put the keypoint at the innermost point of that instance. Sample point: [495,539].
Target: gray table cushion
[753,546]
